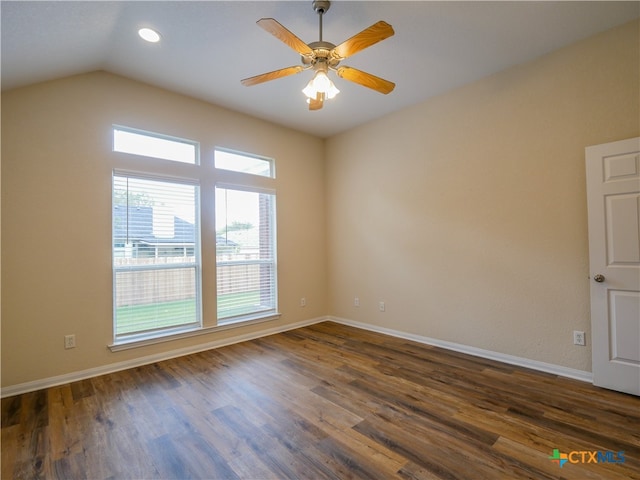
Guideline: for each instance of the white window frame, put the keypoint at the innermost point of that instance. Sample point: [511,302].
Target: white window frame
[207,178]
[196,266]
[157,136]
[269,161]
[273,262]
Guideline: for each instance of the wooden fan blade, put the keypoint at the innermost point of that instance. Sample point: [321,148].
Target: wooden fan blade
[369,36]
[316,103]
[366,79]
[281,33]
[265,77]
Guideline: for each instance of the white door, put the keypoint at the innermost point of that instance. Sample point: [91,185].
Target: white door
[613,197]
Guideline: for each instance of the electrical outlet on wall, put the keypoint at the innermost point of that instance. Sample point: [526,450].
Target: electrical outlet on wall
[69,341]
[579,338]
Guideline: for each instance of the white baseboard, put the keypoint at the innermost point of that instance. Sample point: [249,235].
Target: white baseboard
[115,367]
[158,357]
[478,352]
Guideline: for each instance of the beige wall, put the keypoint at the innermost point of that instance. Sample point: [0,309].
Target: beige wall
[467,214]
[56,215]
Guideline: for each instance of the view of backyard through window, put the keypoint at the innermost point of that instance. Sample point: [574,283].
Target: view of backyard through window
[244,252]
[154,254]
[156,240]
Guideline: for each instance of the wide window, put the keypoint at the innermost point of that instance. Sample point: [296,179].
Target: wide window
[245,253]
[155,256]
[139,142]
[158,290]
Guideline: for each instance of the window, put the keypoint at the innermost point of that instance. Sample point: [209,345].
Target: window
[138,142]
[156,265]
[245,253]
[238,162]
[156,241]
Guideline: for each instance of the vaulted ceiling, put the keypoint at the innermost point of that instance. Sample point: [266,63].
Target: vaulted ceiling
[207,47]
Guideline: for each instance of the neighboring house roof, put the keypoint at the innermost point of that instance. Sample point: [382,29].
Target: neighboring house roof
[220,240]
[140,227]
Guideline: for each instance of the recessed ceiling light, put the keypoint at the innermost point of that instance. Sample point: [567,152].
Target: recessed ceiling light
[149,35]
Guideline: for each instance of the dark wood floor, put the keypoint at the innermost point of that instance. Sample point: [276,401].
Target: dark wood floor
[326,401]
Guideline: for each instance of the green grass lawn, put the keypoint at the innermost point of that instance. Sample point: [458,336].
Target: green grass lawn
[233,304]
[136,318]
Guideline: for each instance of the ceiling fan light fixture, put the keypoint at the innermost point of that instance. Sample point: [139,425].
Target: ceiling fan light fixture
[320,83]
[322,56]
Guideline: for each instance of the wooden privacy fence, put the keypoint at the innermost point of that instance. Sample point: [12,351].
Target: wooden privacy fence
[159,285]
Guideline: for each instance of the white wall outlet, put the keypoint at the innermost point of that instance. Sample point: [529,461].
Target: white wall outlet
[69,341]
[579,338]
[356,302]
[303,302]
[381,306]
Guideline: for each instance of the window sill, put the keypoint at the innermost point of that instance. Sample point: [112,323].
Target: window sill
[143,341]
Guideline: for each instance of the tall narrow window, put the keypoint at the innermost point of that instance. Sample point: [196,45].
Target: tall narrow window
[156,256]
[245,253]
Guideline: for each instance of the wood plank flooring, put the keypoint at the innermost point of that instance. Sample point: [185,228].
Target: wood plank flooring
[322,402]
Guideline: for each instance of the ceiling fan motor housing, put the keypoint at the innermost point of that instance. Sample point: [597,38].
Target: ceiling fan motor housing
[321,53]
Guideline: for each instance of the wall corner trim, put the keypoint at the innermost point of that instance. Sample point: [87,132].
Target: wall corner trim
[559,370]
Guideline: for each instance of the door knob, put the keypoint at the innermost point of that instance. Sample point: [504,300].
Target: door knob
[598,278]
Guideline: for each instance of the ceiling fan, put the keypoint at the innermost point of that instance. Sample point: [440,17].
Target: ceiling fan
[323,56]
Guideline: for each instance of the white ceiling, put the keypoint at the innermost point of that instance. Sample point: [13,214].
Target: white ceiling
[207,47]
